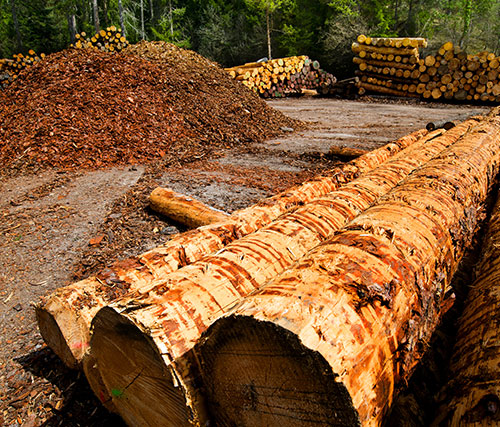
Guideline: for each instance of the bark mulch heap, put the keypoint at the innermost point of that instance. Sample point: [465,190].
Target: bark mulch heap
[88,109]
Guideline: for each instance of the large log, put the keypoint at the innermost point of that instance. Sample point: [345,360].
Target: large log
[183,209]
[171,315]
[327,342]
[474,388]
[64,316]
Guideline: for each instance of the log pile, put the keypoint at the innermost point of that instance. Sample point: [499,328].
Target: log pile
[343,325]
[10,68]
[388,66]
[283,77]
[109,40]
[473,392]
[66,320]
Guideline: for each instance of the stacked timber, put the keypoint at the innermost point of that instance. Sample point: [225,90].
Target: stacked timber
[65,322]
[283,77]
[388,65]
[168,317]
[449,74]
[452,74]
[473,392]
[325,341]
[109,40]
[10,68]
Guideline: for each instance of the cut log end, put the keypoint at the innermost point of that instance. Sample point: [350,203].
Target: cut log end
[65,336]
[257,373]
[136,378]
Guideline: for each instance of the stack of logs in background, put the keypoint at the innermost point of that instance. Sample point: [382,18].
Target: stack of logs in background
[281,77]
[393,66]
[341,280]
[109,40]
[10,68]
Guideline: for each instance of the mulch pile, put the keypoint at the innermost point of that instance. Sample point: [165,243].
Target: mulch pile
[88,109]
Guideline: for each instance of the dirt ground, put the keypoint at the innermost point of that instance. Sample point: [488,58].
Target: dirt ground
[61,226]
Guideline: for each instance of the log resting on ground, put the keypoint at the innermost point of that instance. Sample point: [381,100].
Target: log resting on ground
[172,314]
[184,209]
[327,342]
[475,365]
[64,316]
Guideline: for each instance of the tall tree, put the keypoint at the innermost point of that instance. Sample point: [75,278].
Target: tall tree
[95,10]
[120,13]
[19,43]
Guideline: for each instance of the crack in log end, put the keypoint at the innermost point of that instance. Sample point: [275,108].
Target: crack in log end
[134,373]
[259,374]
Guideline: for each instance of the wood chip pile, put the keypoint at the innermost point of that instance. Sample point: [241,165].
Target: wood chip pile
[393,66]
[87,108]
[282,77]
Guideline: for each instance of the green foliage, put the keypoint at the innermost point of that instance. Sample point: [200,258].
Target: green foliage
[235,31]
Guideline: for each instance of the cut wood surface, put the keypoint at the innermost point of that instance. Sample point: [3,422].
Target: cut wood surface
[184,209]
[327,342]
[449,74]
[172,313]
[64,316]
[346,152]
[474,388]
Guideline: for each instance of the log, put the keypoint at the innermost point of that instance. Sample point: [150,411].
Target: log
[328,341]
[183,209]
[171,315]
[474,388]
[346,152]
[65,315]
[356,48]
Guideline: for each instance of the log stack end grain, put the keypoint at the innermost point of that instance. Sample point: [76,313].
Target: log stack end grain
[450,74]
[282,77]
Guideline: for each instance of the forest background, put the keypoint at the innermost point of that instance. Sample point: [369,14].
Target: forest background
[232,32]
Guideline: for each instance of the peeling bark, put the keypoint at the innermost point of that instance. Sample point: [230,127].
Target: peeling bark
[64,316]
[172,314]
[475,365]
[364,304]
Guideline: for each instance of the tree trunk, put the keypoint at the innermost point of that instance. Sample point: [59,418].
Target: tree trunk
[474,389]
[120,12]
[143,34]
[328,341]
[268,32]
[173,314]
[72,27]
[183,209]
[171,19]
[95,10]
[19,42]
[64,317]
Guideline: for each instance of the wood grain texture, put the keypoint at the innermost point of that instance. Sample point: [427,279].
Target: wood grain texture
[474,388]
[365,302]
[64,316]
[173,313]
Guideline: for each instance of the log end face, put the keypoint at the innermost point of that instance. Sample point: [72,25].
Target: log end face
[256,373]
[134,374]
[62,333]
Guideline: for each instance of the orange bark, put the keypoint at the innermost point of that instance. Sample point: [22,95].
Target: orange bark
[64,316]
[171,314]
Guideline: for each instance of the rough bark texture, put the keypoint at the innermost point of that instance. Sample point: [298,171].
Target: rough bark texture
[184,209]
[173,313]
[475,367]
[365,303]
[64,316]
